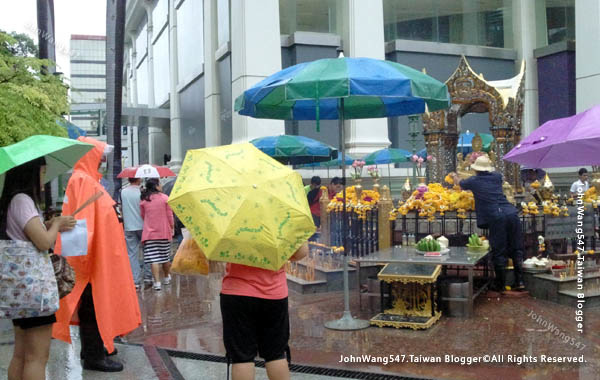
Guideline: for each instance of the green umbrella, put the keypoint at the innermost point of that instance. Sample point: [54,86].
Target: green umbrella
[60,153]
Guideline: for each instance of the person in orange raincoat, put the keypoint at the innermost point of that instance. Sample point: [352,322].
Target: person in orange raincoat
[104,297]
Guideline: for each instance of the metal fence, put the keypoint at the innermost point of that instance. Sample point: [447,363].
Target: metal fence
[362,236]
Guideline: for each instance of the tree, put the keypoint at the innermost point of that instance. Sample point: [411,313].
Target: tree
[31,101]
[23,45]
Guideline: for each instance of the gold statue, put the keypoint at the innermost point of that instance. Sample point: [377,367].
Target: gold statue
[547,188]
[477,143]
[509,192]
[406,189]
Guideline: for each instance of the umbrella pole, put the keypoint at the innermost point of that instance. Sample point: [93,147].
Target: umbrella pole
[346,322]
[390,177]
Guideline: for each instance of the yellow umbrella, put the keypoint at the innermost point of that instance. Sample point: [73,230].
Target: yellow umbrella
[241,206]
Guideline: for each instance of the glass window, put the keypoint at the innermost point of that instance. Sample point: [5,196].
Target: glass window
[319,16]
[469,22]
[560,20]
[160,16]
[223,21]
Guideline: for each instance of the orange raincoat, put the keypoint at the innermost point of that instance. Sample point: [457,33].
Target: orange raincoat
[106,266]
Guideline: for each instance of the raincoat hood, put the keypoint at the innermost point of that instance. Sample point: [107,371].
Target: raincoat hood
[91,161]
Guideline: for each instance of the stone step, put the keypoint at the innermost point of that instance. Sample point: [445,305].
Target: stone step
[570,282]
[301,286]
[571,297]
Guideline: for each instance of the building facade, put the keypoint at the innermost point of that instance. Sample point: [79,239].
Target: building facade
[194,57]
[88,79]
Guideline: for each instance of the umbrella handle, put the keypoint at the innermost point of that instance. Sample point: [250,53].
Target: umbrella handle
[91,200]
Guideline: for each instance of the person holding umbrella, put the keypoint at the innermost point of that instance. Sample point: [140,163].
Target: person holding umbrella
[496,213]
[20,220]
[104,295]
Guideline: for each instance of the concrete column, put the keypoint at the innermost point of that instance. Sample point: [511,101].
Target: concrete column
[212,92]
[255,54]
[134,100]
[176,143]
[363,37]
[587,54]
[126,70]
[155,133]
[525,37]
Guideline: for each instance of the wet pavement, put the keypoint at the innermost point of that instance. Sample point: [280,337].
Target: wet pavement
[181,339]
[186,317]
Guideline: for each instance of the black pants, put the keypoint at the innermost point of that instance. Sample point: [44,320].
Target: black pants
[92,346]
[506,240]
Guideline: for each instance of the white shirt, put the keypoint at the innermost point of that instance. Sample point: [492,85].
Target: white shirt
[132,220]
[578,184]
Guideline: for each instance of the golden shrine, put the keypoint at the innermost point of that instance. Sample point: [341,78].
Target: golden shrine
[471,93]
[413,293]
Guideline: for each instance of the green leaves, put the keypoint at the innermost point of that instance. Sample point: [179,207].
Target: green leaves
[30,100]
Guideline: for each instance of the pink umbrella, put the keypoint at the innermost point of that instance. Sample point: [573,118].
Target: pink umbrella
[571,141]
[146,171]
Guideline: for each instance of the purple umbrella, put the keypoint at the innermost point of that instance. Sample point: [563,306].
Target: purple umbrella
[571,141]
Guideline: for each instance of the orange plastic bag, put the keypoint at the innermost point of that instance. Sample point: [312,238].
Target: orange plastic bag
[189,259]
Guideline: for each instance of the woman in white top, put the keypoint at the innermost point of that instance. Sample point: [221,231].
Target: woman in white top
[20,220]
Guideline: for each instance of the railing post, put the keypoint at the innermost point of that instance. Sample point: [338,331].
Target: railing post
[325,225]
[384,229]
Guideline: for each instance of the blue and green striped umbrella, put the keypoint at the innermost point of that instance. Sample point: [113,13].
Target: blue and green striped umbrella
[370,88]
[294,150]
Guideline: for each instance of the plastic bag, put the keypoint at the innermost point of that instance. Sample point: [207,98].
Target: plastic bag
[189,259]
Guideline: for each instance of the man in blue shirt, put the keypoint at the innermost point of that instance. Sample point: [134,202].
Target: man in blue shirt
[495,213]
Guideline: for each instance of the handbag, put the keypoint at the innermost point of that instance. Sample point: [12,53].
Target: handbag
[65,275]
[27,283]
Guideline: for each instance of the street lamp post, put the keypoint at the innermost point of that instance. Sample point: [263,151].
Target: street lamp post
[413,132]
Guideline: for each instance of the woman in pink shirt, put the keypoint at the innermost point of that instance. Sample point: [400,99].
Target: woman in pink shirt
[158,230]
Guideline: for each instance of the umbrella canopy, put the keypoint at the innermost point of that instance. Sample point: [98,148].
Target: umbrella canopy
[387,156]
[60,154]
[370,88]
[465,139]
[294,150]
[333,163]
[146,171]
[242,206]
[571,141]
[73,130]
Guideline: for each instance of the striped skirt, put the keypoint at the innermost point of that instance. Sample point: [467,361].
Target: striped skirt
[157,251]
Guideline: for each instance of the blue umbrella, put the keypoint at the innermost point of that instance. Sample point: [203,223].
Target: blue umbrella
[73,130]
[388,156]
[294,150]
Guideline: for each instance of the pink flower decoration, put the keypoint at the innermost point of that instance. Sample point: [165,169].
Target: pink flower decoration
[429,158]
[355,164]
[415,157]
[420,160]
